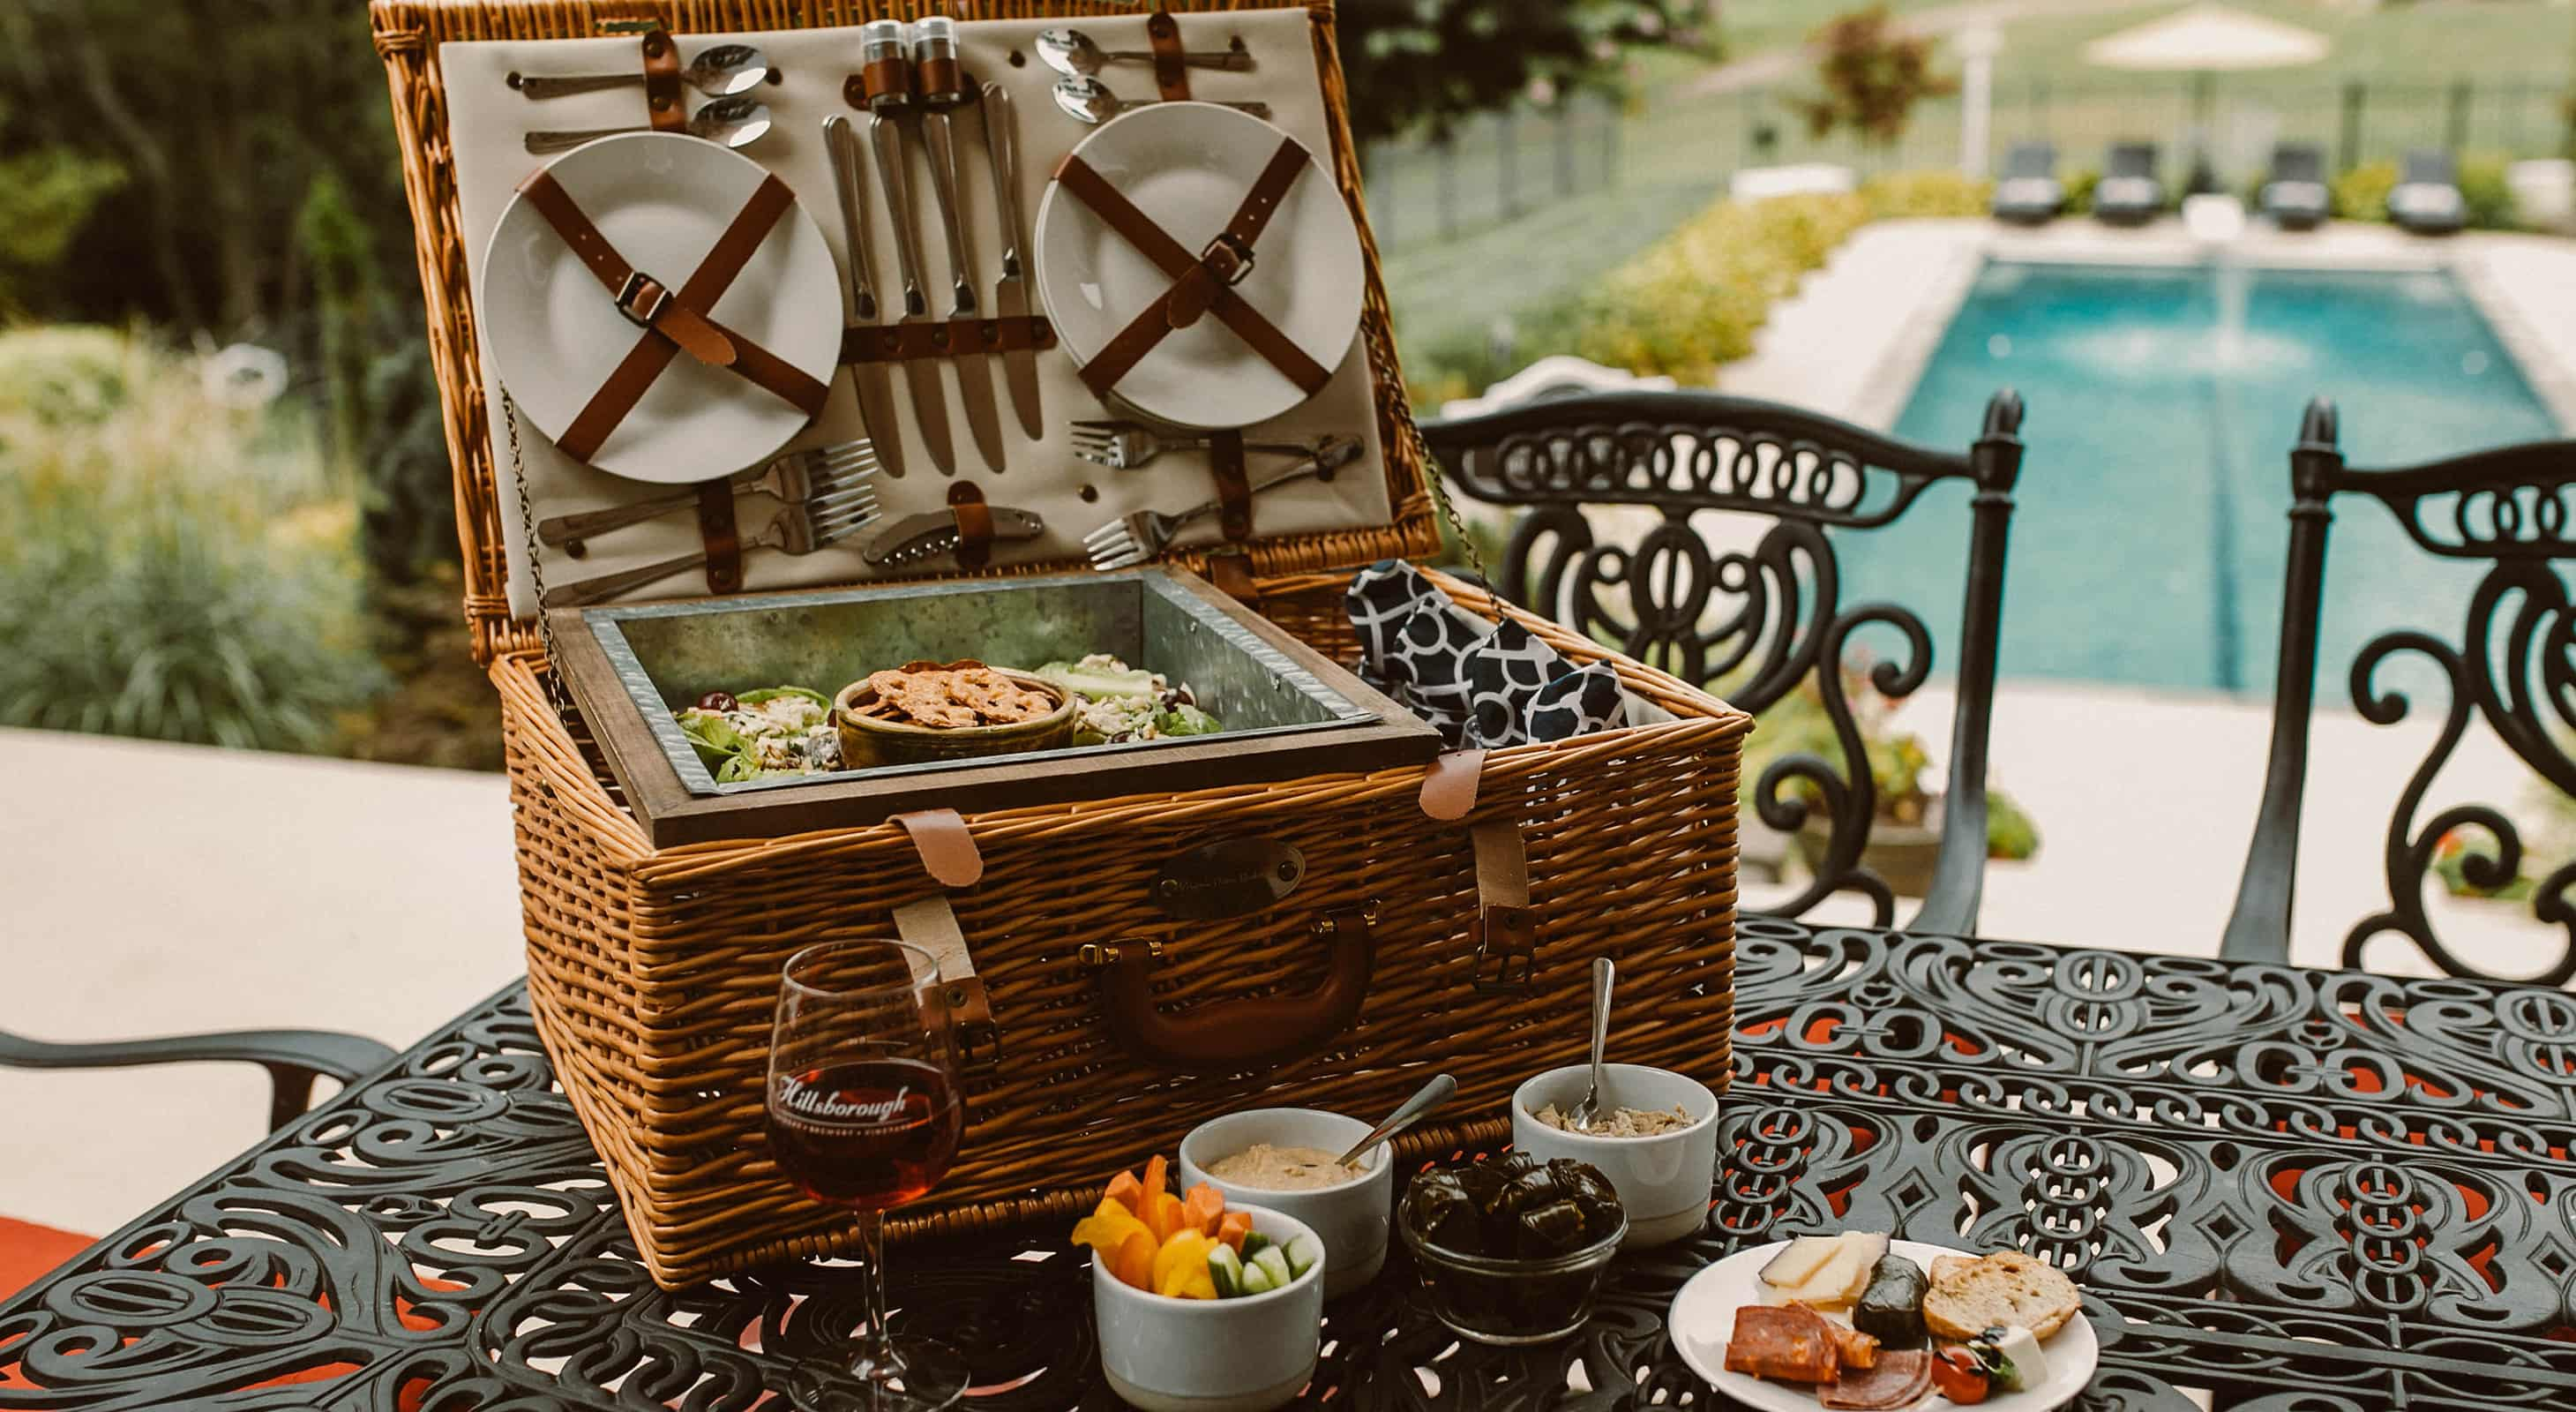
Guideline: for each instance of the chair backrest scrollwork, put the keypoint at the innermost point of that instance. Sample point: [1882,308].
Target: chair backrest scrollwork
[2514,667]
[1760,619]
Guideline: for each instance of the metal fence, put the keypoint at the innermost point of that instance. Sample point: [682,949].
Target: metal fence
[1502,166]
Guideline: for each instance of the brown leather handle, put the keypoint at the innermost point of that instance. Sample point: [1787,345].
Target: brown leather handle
[1239,1034]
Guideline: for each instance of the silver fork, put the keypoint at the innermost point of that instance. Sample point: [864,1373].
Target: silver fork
[1126,446]
[1133,538]
[799,529]
[793,477]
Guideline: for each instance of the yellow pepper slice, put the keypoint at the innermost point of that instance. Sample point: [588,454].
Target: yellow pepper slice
[1181,1267]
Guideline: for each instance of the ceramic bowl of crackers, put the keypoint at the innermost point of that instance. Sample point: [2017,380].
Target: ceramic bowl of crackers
[926,712]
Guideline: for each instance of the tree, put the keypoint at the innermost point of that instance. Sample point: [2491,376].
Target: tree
[1873,74]
[1427,63]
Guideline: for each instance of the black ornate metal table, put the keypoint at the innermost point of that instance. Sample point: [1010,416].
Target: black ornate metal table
[2286,1190]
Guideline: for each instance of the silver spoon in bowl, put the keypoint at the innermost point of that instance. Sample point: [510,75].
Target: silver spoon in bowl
[1087,99]
[719,71]
[1587,1113]
[726,122]
[1070,51]
[1425,1101]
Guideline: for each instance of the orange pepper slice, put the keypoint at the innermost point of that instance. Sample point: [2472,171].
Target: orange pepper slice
[1165,1219]
[1232,1227]
[1158,1178]
[1201,1209]
[1133,1265]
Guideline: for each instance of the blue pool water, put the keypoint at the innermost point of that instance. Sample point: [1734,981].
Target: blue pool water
[2148,538]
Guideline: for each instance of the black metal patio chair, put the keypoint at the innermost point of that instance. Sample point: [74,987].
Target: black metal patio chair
[1759,621]
[293,1058]
[2514,667]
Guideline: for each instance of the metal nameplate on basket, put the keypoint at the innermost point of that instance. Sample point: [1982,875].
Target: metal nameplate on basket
[1228,877]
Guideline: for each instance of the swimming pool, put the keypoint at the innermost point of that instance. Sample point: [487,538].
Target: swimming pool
[2149,530]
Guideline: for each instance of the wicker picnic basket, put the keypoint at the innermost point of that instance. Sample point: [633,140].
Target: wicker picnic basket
[654,972]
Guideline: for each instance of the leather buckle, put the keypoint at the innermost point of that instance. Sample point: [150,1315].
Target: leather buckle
[970,1018]
[630,293]
[1228,258]
[1506,941]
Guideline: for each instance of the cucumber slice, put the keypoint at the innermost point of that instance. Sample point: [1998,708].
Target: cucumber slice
[1226,1268]
[1274,1262]
[1256,1280]
[1304,1252]
[1254,1242]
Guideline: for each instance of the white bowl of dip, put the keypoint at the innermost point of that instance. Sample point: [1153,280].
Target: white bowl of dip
[1664,1180]
[1350,1217]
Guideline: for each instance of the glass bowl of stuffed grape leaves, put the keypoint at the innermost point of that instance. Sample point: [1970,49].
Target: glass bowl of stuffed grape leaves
[1512,1250]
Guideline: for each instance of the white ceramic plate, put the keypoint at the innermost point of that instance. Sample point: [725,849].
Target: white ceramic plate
[662,200]
[1187,165]
[1703,1316]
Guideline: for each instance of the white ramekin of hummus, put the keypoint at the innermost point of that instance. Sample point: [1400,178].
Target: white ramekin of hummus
[1351,1217]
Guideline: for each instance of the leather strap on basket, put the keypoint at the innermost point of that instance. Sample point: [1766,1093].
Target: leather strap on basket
[662,96]
[974,525]
[947,850]
[1171,74]
[1506,927]
[1202,283]
[716,531]
[1233,487]
[1449,785]
[671,320]
[931,924]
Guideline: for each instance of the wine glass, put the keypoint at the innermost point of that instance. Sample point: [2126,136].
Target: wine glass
[865,1112]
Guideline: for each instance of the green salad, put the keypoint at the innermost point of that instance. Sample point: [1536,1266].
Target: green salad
[765,734]
[1122,703]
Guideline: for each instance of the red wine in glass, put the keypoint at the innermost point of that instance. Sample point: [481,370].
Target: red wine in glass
[865,1113]
[867,1132]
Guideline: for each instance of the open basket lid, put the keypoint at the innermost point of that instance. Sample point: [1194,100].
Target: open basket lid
[441,54]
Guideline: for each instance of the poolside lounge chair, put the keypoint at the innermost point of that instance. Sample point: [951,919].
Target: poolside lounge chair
[2295,196]
[2028,191]
[2129,192]
[2426,199]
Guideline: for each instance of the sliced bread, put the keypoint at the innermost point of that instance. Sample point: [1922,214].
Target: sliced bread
[1968,1297]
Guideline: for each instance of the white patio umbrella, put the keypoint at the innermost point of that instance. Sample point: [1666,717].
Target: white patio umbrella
[2206,40]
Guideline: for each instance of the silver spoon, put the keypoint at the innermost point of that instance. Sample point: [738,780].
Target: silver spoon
[1087,99]
[1588,1112]
[1070,51]
[1424,1102]
[719,71]
[726,122]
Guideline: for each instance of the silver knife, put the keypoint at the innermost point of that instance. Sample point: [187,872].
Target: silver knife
[1011,291]
[936,39]
[934,532]
[929,400]
[874,383]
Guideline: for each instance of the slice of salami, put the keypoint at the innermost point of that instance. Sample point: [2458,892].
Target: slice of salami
[1896,1380]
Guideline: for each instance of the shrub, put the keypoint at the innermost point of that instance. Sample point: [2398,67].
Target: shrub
[1694,299]
[2080,182]
[2488,197]
[2361,194]
[170,567]
[1900,195]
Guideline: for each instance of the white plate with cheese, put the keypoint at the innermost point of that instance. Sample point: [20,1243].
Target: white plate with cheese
[1702,1319]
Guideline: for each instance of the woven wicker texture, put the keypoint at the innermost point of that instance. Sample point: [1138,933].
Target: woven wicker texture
[407,36]
[654,973]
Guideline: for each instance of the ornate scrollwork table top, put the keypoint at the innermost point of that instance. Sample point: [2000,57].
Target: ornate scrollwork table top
[2283,1190]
